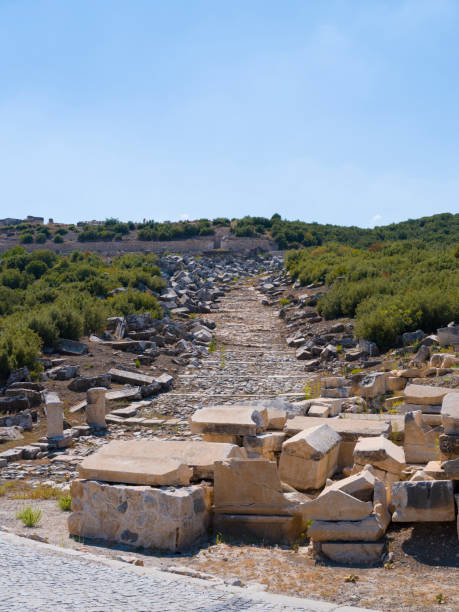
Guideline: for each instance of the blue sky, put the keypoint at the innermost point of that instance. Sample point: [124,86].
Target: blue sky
[337,111]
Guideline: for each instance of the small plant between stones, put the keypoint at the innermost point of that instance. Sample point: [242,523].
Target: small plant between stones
[65,502]
[29,516]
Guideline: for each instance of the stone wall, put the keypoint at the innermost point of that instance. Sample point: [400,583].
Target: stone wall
[165,518]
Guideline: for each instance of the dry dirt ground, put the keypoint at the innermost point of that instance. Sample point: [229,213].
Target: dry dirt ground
[252,359]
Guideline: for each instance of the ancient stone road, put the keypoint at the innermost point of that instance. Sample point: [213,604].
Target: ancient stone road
[251,361]
[38,577]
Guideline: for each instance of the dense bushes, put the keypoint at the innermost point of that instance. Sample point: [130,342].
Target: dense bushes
[44,297]
[174,231]
[443,228]
[391,289]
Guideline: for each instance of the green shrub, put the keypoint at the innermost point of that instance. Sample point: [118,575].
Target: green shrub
[58,239]
[19,347]
[65,502]
[26,238]
[131,302]
[29,516]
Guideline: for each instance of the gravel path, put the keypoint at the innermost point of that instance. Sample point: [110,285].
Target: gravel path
[36,577]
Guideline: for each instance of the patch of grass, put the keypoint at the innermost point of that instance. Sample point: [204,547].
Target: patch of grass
[284,301]
[137,363]
[29,516]
[212,345]
[4,488]
[40,492]
[65,502]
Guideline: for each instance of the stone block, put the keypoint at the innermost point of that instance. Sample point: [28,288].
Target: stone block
[350,553]
[223,438]
[449,446]
[165,518]
[451,469]
[426,395]
[336,505]
[395,383]
[276,418]
[368,529]
[54,415]
[310,457]
[360,485]
[421,441]
[319,410]
[265,444]
[332,382]
[250,486]
[95,407]
[448,336]
[156,462]
[233,420]
[350,429]
[272,529]
[450,413]
[371,385]
[132,378]
[423,501]
[381,453]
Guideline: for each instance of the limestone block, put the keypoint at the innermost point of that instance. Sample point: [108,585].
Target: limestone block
[449,446]
[273,529]
[332,382]
[426,395]
[265,444]
[451,469]
[368,529]
[450,413]
[336,392]
[448,336]
[233,420]
[309,458]
[336,505]
[381,453]
[156,462]
[434,470]
[276,418]
[362,553]
[314,443]
[225,438]
[424,501]
[371,385]
[350,429]
[359,485]
[132,378]
[443,360]
[166,518]
[319,410]
[395,383]
[54,416]
[95,407]
[421,441]
[250,486]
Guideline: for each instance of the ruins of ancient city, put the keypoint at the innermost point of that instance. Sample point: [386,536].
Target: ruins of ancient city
[229,306]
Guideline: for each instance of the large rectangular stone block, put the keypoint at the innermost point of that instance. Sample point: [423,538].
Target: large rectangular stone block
[161,518]
[273,529]
[228,419]
[423,501]
[156,462]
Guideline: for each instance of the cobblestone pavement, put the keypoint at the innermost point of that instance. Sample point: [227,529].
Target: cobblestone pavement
[38,577]
[251,361]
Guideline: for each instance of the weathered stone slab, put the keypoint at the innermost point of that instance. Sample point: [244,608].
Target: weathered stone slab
[132,378]
[361,553]
[309,458]
[450,413]
[265,444]
[423,501]
[350,429]
[95,407]
[381,453]
[421,441]
[156,462]
[272,529]
[336,505]
[425,395]
[166,519]
[448,336]
[359,485]
[250,486]
[234,420]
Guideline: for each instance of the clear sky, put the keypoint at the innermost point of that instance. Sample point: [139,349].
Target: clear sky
[338,111]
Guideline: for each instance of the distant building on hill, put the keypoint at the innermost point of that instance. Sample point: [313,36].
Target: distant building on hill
[32,219]
[10,221]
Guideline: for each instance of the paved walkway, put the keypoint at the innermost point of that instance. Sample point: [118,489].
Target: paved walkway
[38,577]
